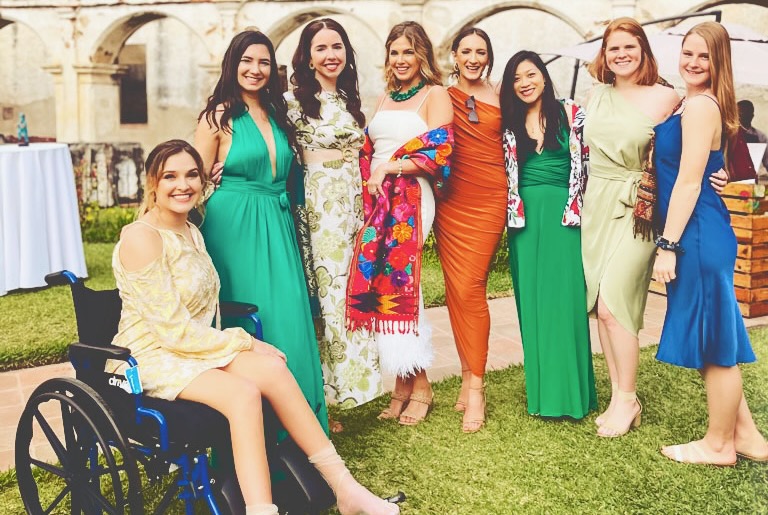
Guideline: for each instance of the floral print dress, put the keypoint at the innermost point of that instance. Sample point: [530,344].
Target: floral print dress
[334,207]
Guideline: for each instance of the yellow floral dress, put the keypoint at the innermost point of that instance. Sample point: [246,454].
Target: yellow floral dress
[333,192]
[168,308]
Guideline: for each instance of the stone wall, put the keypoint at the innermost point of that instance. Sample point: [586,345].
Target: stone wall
[108,174]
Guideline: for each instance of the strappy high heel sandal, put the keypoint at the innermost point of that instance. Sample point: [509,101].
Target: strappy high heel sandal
[475,424]
[389,413]
[609,431]
[461,405]
[428,400]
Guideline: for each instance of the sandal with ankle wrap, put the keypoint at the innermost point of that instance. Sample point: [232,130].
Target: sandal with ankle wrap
[461,405]
[388,413]
[421,399]
[608,431]
[476,424]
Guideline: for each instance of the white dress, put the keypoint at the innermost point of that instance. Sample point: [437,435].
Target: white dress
[404,354]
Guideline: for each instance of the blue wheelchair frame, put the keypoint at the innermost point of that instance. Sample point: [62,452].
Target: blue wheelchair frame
[94,388]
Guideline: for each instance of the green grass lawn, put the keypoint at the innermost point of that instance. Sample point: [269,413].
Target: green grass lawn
[39,324]
[523,464]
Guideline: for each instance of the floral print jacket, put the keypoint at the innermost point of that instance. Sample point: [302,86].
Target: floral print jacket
[578,178]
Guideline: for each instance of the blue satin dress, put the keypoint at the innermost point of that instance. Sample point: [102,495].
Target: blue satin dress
[703,325]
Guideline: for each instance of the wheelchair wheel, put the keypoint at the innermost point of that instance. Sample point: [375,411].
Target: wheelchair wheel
[70,455]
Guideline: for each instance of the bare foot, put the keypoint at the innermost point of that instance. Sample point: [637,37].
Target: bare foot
[699,453]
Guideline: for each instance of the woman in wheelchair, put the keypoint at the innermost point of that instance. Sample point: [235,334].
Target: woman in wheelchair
[170,290]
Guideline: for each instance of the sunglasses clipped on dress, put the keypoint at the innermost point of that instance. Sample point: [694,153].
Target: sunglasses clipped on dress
[472,114]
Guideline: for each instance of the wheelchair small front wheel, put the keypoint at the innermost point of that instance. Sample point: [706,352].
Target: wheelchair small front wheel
[70,455]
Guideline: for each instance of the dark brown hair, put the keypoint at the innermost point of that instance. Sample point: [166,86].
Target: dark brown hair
[307,86]
[468,31]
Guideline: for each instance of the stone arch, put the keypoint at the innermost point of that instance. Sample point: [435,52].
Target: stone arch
[445,46]
[282,28]
[112,39]
[708,4]
[28,58]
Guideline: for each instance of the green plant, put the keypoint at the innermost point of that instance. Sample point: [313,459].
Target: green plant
[103,225]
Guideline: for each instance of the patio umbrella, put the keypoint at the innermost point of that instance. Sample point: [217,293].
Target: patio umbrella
[749,50]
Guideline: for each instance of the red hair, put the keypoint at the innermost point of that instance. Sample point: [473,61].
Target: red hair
[648,73]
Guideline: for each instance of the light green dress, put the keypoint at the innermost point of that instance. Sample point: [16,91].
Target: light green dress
[617,266]
[545,262]
[249,233]
[334,206]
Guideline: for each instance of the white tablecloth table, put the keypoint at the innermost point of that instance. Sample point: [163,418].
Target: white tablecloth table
[39,220]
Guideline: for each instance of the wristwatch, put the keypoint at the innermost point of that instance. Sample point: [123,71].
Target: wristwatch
[665,244]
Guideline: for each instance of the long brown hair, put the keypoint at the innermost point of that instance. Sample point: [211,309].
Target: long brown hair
[648,73]
[425,54]
[720,73]
[155,165]
[228,92]
[307,86]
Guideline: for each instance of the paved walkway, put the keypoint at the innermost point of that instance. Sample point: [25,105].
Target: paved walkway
[505,349]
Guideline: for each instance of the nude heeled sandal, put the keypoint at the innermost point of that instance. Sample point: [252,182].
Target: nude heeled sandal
[608,431]
[476,424]
[388,413]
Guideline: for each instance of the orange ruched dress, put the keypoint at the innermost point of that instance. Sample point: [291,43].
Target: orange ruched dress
[470,218]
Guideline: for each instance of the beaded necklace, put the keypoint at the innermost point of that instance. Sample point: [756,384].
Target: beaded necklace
[402,97]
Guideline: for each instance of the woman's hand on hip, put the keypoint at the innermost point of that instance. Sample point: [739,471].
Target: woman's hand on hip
[719,180]
[664,266]
[216,171]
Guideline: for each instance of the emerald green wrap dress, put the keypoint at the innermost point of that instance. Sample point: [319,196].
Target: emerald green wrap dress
[249,233]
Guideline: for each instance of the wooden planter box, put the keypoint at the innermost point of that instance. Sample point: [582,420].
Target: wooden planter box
[748,206]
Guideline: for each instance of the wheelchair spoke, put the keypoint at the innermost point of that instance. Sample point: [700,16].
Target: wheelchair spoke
[62,473]
[96,497]
[67,417]
[58,499]
[53,439]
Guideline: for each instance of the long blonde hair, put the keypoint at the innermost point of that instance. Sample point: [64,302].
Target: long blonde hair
[720,72]
[425,54]
[156,163]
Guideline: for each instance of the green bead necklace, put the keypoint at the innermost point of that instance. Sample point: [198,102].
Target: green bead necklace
[402,97]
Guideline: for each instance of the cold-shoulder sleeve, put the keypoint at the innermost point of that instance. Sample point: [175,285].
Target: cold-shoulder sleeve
[152,294]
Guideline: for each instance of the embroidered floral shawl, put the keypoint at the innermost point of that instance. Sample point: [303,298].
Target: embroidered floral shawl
[578,178]
[383,287]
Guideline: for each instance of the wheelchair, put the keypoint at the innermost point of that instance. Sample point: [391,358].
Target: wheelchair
[110,432]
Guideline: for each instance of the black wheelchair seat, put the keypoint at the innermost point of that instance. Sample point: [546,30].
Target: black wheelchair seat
[109,430]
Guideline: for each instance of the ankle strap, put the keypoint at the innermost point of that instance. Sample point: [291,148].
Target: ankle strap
[626,396]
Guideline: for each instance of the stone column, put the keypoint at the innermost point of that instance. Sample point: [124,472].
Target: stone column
[65,80]
[99,101]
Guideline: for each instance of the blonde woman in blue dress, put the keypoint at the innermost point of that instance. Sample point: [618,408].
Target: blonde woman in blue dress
[324,107]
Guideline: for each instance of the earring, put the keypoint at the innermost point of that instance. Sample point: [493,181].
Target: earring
[456,68]
[311,65]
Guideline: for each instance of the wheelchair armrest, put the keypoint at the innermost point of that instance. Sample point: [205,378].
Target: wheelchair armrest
[61,278]
[233,309]
[82,351]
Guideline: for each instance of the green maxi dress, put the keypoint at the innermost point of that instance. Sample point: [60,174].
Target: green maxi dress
[550,294]
[250,235]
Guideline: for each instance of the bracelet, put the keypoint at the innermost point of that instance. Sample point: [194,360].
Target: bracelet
[665,244]
[399,167]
